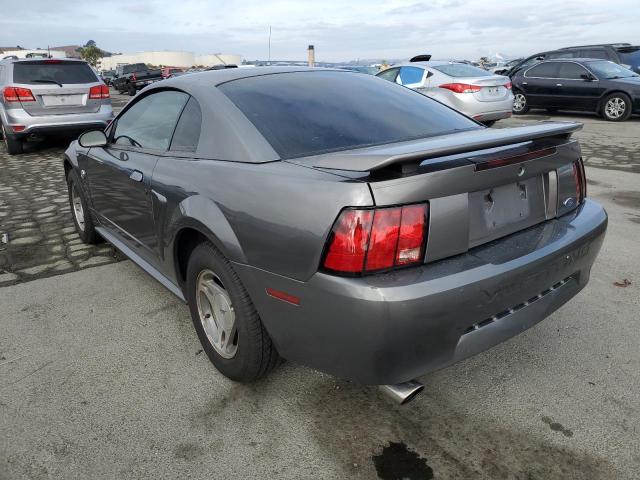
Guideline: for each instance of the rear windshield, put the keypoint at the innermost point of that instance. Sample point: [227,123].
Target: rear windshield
[306,113]
[136,67]
[462,70]
[53,71]
[630,57]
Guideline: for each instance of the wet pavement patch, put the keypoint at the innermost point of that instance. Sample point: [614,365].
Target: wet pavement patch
[398,462]
[556,427]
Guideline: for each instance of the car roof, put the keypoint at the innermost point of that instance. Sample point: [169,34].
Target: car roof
[430,63]
[218,77]
[575,60]
[40,59]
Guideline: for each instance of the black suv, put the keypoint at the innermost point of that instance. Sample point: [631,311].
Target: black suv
[623,54]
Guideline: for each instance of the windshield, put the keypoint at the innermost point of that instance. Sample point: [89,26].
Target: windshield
[53,71]
[630,57]
[306,113]
[609,70]
[462,70]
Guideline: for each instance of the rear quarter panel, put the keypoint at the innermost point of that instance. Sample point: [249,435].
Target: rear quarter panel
[274,216]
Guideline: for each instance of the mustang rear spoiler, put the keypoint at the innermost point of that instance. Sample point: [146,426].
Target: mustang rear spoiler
[376,158]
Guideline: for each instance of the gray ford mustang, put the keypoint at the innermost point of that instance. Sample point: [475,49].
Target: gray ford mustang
[337,220]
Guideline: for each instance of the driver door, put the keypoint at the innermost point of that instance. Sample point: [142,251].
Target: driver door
[120,174]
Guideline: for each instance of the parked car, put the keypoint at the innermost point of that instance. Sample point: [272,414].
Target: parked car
[171,71]
[336,220]
[505,67]
[45,97]
[623,54]
[108,76]
[131,78]
[579,84]
[471,90]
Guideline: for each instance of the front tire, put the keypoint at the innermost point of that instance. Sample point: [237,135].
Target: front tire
[520,103]
[225,319]
[13,145]
[82,220]
[616,107]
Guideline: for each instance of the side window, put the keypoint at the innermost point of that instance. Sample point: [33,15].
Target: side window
[594,53]
[187,134]
[571,70]
[390,74]
[543,70]
[562,54]
[411,75]
[151,121]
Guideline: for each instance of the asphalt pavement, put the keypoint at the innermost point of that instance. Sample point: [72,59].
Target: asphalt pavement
[102,376]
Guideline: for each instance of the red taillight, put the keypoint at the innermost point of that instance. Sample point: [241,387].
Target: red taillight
[17,128]
[461,87]
[17,94]
[52,61]
[349,242]
[580,179]
[508,86]
[98,92]
[373,240]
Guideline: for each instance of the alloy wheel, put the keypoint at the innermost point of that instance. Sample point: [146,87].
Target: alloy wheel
[615,107]
[216,313]
[78,210]
[519,102]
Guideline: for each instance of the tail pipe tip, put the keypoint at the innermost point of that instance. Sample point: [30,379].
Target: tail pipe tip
[402,393]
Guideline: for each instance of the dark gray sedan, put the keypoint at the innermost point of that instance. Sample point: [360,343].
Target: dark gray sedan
[337,220]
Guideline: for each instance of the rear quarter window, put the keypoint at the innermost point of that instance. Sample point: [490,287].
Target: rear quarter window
[47,71]
[307,113]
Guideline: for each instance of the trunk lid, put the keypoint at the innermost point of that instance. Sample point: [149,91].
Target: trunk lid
[481,184]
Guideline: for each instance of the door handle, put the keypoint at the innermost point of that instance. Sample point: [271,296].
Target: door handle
[525,83]
[558,84]
[136,176]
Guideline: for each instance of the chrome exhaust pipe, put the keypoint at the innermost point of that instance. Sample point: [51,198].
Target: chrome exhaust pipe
[402,393]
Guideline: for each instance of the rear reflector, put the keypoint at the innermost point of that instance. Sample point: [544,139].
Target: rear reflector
[461,87]
[98,92]
[17,94]
[17,128]
[364,241]
[284,296]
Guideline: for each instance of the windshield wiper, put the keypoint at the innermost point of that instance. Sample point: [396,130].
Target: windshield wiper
[44,80]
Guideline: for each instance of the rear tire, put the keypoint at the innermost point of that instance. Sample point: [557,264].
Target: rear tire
[82,219]
[616,107]
[14,146]
[222,310]
[520,103]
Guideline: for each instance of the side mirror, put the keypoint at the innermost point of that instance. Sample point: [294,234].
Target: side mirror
[587,77]
[92,138]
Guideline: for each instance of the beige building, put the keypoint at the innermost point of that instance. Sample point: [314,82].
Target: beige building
[169,58]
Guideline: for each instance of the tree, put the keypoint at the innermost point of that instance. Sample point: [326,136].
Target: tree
[91,54]
[90,43]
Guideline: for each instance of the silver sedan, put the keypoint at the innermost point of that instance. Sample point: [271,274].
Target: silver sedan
[477,93]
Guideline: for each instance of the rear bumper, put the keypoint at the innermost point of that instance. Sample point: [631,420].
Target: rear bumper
[56,124]
[490,116]
[393,327]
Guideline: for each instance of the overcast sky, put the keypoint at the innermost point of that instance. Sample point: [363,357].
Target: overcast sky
[340,30]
